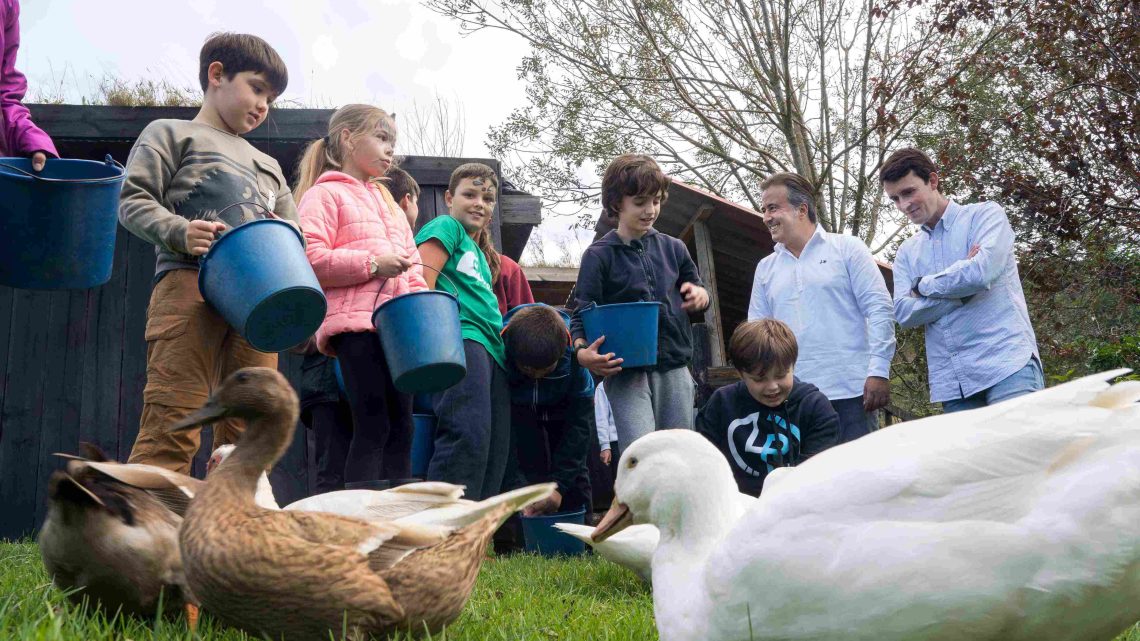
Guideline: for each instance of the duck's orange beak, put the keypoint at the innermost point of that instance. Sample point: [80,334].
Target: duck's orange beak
[616,519]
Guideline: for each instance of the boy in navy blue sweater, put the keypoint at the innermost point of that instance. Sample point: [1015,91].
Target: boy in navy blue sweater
[636,263]
[770,418]
[552,408]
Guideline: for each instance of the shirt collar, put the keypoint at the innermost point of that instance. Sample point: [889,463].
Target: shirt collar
[818,233]
[948,217]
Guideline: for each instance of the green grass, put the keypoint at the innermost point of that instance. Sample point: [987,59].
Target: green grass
[518,597]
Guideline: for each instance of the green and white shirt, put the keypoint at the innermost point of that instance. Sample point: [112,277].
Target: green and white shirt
[467,276]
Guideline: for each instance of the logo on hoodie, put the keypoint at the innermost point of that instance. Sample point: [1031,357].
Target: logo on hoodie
[748,453]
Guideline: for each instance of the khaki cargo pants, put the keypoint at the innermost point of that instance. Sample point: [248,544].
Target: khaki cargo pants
[189,350]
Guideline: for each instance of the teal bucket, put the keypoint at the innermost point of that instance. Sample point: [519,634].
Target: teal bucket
[630,330]
[258,278]
[59,224]
[422,340]
[423,443]
[541,537]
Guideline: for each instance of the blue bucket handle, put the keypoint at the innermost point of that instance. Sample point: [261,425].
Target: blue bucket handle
[451,282]
[108,160]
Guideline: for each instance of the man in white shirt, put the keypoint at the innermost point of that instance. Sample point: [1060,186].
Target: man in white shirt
[828,289]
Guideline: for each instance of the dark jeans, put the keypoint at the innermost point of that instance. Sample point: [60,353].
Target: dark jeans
[472,434]
[853,421]
[381,446]
[550,450]
[332,429]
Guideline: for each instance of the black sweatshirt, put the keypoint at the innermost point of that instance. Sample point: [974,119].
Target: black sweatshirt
[651,268]
[757,439]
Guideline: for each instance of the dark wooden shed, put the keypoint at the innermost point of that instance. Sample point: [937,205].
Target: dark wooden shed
[73,363]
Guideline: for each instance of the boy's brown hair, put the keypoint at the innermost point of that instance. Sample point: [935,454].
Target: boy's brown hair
[240,52]
[483,238]
[536,337]
[764,345]
[905,160]
[632,175]
[401,184]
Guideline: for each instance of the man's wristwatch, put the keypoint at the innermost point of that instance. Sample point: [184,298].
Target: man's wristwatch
[914,288]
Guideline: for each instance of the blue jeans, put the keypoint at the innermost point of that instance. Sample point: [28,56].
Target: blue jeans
[853,421]
[1025,380]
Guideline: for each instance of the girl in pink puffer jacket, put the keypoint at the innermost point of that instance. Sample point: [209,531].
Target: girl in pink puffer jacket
[364,253]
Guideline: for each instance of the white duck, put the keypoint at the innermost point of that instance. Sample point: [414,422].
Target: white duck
[1012,522]
[632,548]
[370,505]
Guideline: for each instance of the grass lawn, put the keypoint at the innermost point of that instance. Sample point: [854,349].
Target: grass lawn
[519,597]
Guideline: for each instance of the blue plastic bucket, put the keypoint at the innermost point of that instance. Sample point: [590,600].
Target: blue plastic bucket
[258,278]
[541,537]
[630,330]
[59,224]
[423,443]
[422,340]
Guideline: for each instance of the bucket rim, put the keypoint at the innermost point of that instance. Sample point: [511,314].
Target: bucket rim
[19,174]
[204,260]
[405,294]
[557,515]
[416,293]
[611,306]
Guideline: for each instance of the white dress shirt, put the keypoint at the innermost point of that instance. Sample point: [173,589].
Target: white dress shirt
[837,304]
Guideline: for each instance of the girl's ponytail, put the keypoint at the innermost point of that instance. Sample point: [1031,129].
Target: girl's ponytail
[325,154]
[487,244]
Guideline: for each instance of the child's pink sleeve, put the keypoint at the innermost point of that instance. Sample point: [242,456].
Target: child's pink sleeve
[320,221]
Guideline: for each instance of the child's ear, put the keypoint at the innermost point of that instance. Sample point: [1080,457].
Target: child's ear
[215,72]
[447,197]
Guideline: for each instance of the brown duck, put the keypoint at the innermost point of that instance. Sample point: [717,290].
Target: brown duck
[302,575]
[111,534]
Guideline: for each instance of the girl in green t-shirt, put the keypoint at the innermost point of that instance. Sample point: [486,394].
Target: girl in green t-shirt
[472,437]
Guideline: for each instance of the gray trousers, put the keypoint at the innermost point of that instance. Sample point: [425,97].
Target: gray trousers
[647,400]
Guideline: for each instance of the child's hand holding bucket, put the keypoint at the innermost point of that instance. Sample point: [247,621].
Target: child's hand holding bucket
[599,364]
[390,265]
[200,234]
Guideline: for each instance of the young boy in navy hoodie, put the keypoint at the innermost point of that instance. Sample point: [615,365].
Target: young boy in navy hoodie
[770,418]
[552,408]
[636,263]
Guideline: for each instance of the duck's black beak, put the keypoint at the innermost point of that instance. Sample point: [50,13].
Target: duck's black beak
[208,413]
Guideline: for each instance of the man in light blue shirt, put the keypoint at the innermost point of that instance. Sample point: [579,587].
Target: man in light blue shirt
[827,288]
[958,277]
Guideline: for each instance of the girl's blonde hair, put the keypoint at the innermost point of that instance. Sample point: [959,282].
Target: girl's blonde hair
[483,238]
[325,154]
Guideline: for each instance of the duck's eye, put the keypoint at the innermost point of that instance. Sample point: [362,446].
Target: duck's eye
[241,377]
[632,462]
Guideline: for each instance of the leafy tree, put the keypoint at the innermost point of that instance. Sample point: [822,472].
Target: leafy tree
[723,92]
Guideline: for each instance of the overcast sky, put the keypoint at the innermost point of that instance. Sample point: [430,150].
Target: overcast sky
[384,52]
